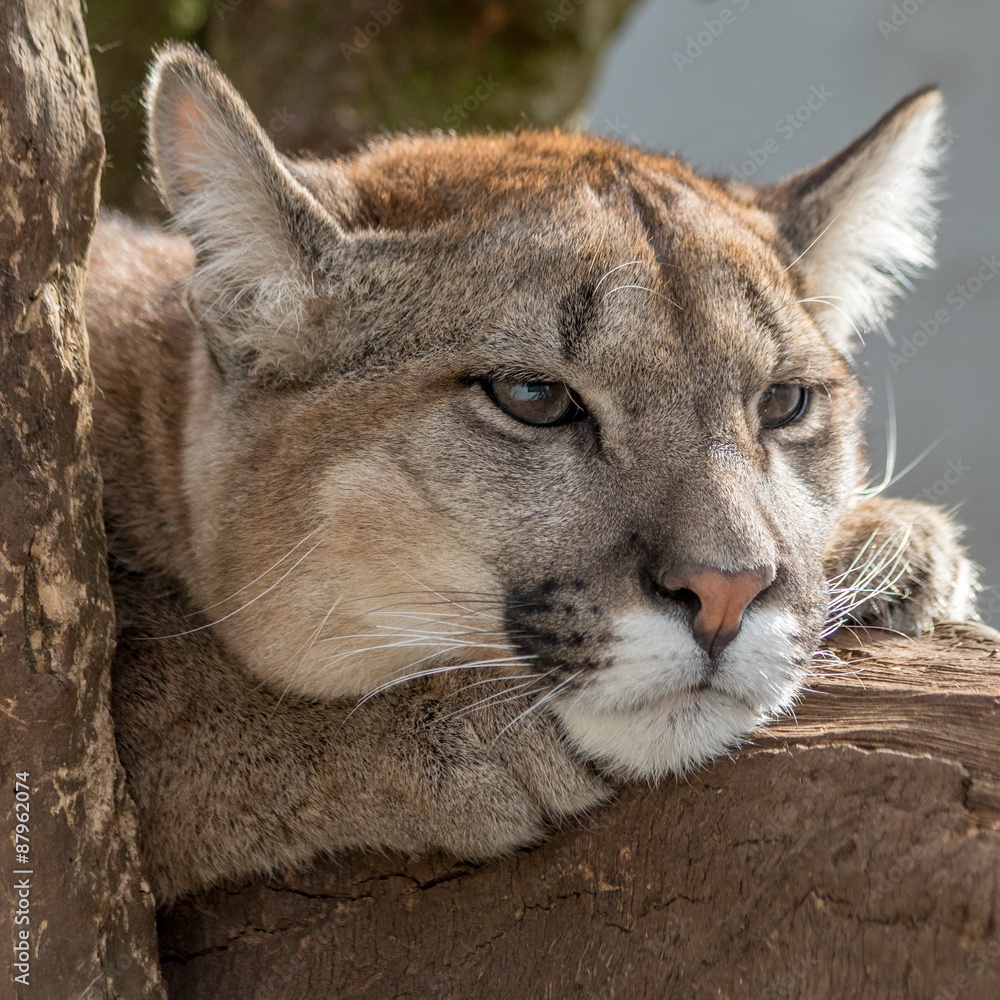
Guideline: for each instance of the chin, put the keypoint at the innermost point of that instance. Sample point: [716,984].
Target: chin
[669,736]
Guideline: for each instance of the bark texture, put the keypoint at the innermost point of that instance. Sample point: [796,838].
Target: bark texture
[76,891]
[854,853]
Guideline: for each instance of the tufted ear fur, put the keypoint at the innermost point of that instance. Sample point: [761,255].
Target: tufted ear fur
[862,223]
[263,243]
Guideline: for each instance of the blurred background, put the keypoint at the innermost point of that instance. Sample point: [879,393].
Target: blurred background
[748,88]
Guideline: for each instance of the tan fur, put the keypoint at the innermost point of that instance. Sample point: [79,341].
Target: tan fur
[310,496]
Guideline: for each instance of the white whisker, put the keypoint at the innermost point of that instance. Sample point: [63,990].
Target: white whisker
[254,600]
[607,274]
[236,593]
[536,706]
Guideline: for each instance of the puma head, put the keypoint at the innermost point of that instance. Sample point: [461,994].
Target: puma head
[542,401]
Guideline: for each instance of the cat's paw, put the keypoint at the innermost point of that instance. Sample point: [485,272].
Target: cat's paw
[492,770]
[898,565]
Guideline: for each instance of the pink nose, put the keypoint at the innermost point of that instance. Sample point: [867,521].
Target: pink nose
[714,599]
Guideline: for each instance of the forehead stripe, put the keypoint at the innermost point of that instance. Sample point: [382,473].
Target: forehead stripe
[576,314]
[760,306]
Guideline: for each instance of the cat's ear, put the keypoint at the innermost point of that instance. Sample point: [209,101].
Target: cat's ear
[862,223]
[263,244]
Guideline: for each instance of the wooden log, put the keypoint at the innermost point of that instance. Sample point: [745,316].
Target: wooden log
[850,852]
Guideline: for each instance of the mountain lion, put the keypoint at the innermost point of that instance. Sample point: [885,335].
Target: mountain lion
[557,432]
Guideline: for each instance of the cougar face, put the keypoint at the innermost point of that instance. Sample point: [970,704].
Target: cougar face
[537,401]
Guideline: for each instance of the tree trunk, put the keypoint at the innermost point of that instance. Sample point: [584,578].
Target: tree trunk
[853,853]
[325,75]
[322,76]
[79,923]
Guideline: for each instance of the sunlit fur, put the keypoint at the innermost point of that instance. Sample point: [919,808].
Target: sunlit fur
[866,253]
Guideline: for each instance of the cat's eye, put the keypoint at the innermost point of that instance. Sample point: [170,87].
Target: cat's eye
[782,405]
[544,404]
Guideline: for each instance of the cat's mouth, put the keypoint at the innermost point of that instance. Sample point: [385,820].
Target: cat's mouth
[670,702]
[659,707]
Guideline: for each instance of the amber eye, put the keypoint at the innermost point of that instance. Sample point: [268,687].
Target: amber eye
[541,403]
[782,404]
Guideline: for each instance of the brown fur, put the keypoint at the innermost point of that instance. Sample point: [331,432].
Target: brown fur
[297,453]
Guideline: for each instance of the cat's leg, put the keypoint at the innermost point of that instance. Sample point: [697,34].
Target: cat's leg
[232,779]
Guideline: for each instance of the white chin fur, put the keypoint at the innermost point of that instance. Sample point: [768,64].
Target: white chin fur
[640,715]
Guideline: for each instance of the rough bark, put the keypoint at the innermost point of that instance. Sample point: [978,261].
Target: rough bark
[69,860]
[851,853]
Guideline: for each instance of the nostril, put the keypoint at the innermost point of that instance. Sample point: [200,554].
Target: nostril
[685,597]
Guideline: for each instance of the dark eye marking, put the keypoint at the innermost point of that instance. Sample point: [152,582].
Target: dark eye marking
[782,405]
[541,404]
